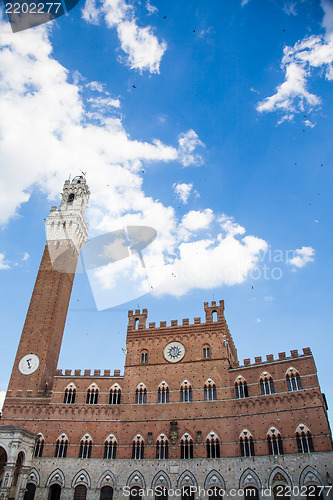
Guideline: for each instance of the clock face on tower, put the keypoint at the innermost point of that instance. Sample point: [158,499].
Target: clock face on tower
[174,352]
[28,364]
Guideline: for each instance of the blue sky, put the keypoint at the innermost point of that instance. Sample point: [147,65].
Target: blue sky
[210,122]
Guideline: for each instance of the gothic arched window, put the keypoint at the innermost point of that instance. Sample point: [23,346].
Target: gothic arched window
[70,393]
[185,392]
[206,352]
[162,447]
[241,387]
[266,384]
[92,395]
[163,393]
[39,446]
[210,390]
[85,447]
[274,441]
[61,446]
[293,380]
[213,445]
[115,395]
[304,439]
[138,448]
[110,447]
[246,444]
[144,357]
[186,446]
[141,394]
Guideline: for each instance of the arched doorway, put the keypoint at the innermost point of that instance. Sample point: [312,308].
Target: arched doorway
[135,493]
[80,492]
[106,493]
[30,492]
[187,493]
[215,493]
[251,492]
[54,492]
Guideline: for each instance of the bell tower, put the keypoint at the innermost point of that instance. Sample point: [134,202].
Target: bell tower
[38,351]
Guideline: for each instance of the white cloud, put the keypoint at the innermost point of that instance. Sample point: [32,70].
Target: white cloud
[244,2]
[309,124]
[26,256]
[142,47]
[144,50]
[3,263]
[183,191]
[188,142]
[302,256]
[299,62]
[195,219]
[2,398]
[151,8]
[258,320]
[214,262]
[327,6]
[290,8]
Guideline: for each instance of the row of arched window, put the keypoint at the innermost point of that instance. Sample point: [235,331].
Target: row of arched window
[293,381]
[141,393]
[212,443]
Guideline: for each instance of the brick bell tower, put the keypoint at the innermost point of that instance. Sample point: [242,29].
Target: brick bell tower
[38,352]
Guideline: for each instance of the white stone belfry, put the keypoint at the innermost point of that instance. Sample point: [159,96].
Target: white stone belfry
[68,223]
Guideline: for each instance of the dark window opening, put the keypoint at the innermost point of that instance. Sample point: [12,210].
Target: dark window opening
[69,396]
[85,449]
[163,395]
[92,396]
[247,447]
[213,448]
[115,395]
[141,396]
[186,448]
[110,449]
[61,448]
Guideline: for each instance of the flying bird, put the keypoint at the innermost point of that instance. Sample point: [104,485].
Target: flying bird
[134,87]
[124,350]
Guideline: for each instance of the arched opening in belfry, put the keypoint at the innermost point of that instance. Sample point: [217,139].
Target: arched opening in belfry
[214,316]
[70,199]
[136,323]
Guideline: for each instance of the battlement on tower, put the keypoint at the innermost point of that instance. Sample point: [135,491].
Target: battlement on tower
[270,358]
[87,373]
[214,313]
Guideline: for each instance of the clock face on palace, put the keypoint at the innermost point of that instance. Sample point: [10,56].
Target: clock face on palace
[28,364]
[174,352]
